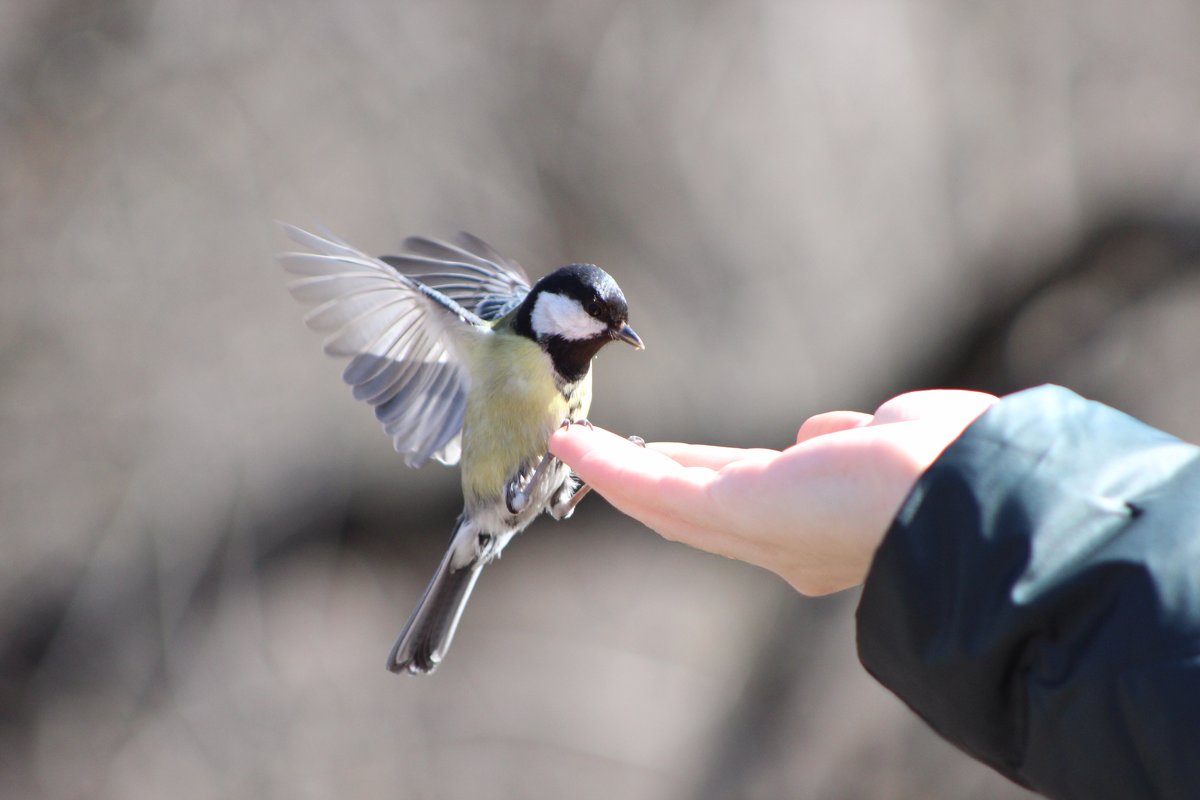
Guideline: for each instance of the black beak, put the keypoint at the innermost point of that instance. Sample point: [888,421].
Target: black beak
[628,335]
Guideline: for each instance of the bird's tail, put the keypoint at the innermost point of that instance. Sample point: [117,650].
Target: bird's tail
[428,632]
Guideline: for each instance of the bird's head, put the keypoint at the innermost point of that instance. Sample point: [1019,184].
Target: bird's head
[572,313]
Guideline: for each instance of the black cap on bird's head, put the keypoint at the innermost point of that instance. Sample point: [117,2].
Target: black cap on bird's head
[572,313]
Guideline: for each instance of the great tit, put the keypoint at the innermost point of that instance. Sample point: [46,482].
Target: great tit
[464,361]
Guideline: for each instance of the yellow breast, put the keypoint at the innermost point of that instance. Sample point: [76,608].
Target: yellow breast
[513,407]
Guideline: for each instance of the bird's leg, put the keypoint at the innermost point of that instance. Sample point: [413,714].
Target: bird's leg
[518,492]
[561,509]
[567,497]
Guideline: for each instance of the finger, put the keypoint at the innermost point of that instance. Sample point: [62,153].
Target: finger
[946,404]
[708,456]
[573,443]
[669,497]
[634,479]
[831,422]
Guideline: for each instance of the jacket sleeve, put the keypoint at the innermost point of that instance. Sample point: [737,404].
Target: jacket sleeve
[1037,600]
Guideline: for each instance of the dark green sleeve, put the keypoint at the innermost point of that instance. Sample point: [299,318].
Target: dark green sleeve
[1037,600]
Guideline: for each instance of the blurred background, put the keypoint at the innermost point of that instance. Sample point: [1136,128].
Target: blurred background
[208,546]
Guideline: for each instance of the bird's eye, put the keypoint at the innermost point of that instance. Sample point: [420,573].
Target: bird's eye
[593,308]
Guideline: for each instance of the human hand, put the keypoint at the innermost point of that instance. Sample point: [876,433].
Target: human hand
[813,513]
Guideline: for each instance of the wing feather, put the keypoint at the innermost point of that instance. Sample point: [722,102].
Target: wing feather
[467,270]
[402,337]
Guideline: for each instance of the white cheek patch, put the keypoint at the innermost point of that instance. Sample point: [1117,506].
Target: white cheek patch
[559,315]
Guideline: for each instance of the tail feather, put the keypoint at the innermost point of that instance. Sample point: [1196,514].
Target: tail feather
[427,635]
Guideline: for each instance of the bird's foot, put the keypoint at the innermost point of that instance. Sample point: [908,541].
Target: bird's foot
[518,492]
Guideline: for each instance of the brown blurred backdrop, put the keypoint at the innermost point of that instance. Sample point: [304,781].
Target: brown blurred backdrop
[208,546]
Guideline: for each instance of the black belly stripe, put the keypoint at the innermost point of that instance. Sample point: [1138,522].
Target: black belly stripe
[574,406]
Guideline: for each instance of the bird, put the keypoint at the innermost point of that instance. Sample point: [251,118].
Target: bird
[464,361]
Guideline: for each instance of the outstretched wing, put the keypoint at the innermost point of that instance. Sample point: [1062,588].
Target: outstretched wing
[467,270]
[401,337]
